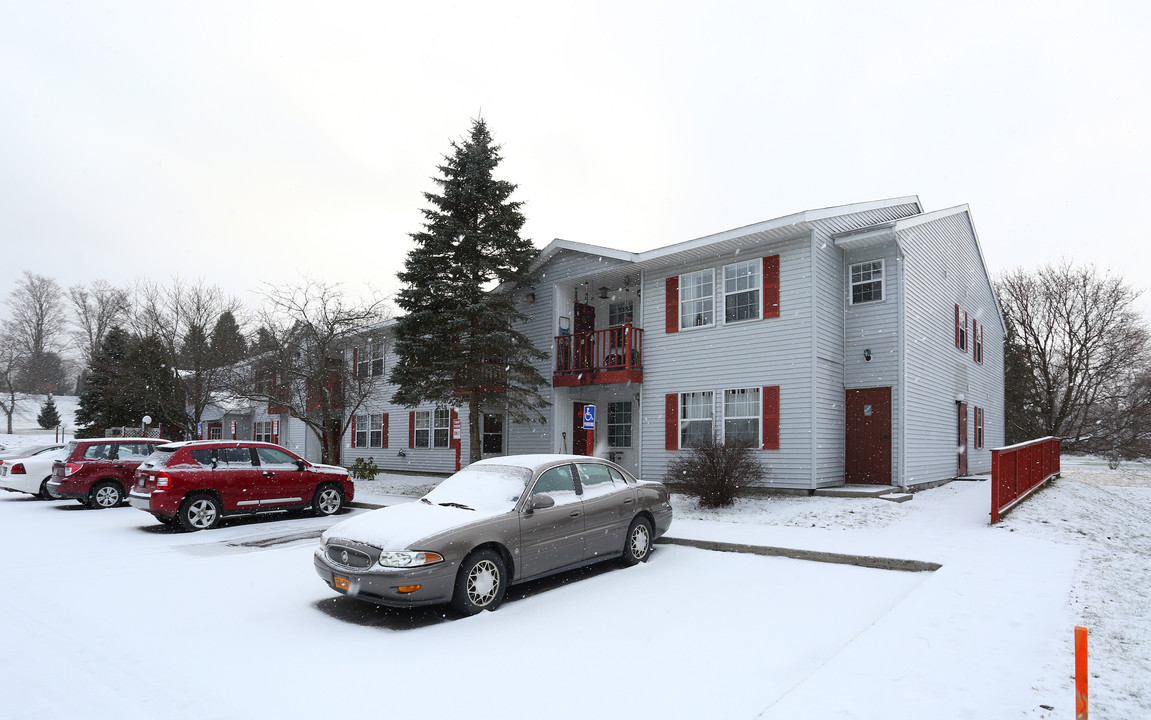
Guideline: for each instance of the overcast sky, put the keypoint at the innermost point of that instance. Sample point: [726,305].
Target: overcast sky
[244,142]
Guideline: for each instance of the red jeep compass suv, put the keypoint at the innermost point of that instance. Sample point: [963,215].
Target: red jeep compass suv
[98,471]
[196,483]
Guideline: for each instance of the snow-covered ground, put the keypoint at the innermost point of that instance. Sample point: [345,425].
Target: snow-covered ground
[105,614]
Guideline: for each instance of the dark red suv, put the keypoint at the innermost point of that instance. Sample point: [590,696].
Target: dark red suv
[98,472]
[196,483]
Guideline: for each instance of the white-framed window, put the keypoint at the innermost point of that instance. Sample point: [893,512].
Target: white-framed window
[262,431]
[867,282]
[741,283]
[433,428]
[695,418]
[215,431]
[376,433]
[371,358]
[741,410]
[361,433]
[619,313]
[697,299]
[619,424]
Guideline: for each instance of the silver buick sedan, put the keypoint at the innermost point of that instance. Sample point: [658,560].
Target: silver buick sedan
[496,523]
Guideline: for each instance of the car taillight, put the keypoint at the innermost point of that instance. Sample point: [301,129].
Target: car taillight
[161,479]
[71,468]
[18,469]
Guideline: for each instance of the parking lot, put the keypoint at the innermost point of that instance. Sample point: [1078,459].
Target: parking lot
[109,614]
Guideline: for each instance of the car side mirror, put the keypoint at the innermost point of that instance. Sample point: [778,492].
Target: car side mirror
[300,465]
[541,502]
[215,462]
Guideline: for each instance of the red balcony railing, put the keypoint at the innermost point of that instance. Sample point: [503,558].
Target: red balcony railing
[599,357]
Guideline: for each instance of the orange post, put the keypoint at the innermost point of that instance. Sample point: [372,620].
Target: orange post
[1080,673]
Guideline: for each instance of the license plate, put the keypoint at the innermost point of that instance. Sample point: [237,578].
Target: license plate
[341,582]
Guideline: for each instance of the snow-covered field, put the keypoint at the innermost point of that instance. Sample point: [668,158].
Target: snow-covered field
[105,614]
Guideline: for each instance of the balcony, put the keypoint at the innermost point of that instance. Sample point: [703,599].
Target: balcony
[599,357]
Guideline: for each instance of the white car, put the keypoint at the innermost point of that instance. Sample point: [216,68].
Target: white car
[31,473]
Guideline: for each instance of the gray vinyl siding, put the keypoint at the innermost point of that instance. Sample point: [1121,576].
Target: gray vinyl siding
[555,288]
[874,326]
[755,353]
[943,269]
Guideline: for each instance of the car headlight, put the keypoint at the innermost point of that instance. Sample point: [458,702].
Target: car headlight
[323,542]
[408,558]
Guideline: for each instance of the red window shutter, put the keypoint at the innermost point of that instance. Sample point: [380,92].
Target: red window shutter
[671,304]
[671,421]
[771,417]
[384,428]
[353,431]
[412,428]
[453,418]
[957,326]
[771,286]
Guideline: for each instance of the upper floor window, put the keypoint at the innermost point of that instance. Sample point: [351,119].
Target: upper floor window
[619,313]
[697,298]
[371,360]
[960,329]
[741,291]
[867,282]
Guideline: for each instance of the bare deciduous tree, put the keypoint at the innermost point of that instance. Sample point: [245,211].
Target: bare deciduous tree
[36,326]
[96,309]
[303,367]
[179,314]
[10,358]
[1076,337]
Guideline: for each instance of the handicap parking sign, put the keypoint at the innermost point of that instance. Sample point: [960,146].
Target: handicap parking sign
[589,417]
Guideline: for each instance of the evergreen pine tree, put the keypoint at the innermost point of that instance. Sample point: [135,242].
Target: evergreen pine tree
[49,416]
[157,391]
[458,342]
[105,401]
[227,344]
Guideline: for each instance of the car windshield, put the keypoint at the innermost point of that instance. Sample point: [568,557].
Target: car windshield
[483,487]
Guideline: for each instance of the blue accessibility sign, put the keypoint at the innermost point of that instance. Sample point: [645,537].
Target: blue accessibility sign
[589,417]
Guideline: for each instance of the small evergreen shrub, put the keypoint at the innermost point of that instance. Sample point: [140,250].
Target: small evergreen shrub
[49,416]
[364,469]
[714,472]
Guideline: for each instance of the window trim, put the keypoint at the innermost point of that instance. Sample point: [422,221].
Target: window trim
[432,428]
[612,437]
[851,283]
[683,285]
[683,421]
[757,440]
[756,275]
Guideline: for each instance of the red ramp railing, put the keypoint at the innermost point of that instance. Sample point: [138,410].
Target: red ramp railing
[1019,470]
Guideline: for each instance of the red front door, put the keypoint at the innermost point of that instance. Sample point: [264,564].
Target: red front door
[867,447]
[583,441]
[962,440]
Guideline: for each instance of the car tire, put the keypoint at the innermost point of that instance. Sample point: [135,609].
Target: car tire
[105,494]
[328,500]
[44,493]
[199,512]
[637,544]
[481,583]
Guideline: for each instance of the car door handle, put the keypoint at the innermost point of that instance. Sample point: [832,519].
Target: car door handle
[575,513]
[268,474]
[628,501]
[119,467]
